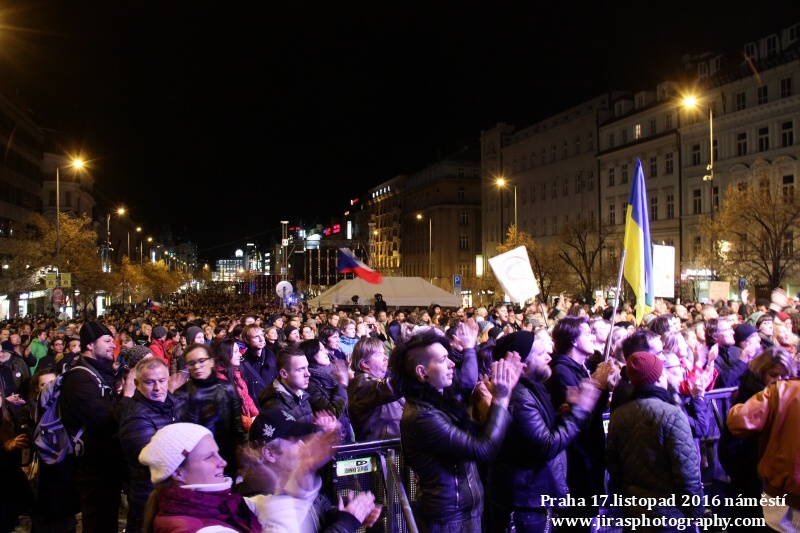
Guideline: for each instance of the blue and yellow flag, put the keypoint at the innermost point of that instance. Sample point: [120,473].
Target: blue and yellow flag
[638,246]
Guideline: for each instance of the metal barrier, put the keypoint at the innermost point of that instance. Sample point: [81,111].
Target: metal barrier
[378,467]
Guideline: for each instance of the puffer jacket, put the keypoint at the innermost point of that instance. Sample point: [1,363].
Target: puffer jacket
[216,405]
[141,419]
[533,459]
[445,457]
[375,409]
[276,396]
[651,454]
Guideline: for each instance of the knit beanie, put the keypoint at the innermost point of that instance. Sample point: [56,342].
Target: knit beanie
[134,354]
[191,333]
[91,331]
[159,332]
[288,330]
[519,341]
[169,447]
[743,331]
[6,346]
[644,368]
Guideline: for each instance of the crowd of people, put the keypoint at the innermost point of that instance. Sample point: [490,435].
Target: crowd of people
[220,415]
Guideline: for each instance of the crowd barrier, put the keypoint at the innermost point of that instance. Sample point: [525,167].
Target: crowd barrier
[378,467]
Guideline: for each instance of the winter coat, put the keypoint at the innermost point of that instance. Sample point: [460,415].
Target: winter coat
[327,394]
[374,407]
[444,452]
[730,367]
[276,396]
[187,511]
[249,409]
[215,404]
[651,454]
[140,421]
[258,370]
[15,376]
[533,459]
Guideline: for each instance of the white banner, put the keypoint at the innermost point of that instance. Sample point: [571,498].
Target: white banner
[513,270]
[663,271]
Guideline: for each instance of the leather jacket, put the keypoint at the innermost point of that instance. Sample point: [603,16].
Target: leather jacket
[445,457]
[215,404]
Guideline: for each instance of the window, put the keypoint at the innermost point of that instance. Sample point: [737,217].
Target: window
[715,198]
[788,186]
[787,134]
[463,217]
[578,183]
[668,121]
[544,225]
[761,97]
[654,167]
[763,139]
[624,136]
[624,211]
[577,145]
[794,33]
[653,128]
[565,190]
[740,101]
[697,245]
[564,150]
[637,131]
[461,172]
[52,198]
[611,140]
[591,180]
[772,45]
[611,177]
[654,208]
[555,225]
[463,242]
[786,87]
[463,269]
[554,193]
[534,228]
[544,191]
[533,159]
[524,163]
[669,164]
[702,70]
[670,206]
[544,156]
[695,154]
[716,64]
[624,174]
[716,152]
[697,201]
[533,193]
[750,50]
[741,144]
[461,194]
[590,141]
[553,153]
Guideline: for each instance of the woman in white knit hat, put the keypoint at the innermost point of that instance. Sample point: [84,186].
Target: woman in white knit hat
[191,492]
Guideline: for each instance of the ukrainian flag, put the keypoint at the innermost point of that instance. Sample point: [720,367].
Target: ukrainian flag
[638,246]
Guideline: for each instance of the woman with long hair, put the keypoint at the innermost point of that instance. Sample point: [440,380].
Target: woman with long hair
[327,386]
[227,359]
[213,403]
[440,440]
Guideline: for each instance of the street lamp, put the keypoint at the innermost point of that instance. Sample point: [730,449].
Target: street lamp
[139,231]
[502,183]
[430,246]
[691,103]
[76,164]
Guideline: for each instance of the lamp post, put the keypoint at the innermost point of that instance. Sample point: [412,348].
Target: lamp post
[430,246]
[502,183]
[76,164]
[691,103]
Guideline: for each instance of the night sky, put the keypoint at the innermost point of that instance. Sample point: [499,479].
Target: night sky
[223,118]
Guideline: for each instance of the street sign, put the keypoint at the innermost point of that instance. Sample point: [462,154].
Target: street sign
[50,280]
[58,296]
[456,280]
[66,280]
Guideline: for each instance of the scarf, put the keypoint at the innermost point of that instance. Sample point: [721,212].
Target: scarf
[324,375]
[444,402]
[220,505]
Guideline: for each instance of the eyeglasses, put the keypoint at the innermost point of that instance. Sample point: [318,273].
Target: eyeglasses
[201,361]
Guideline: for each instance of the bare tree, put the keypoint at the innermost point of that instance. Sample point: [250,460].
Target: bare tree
[545,260]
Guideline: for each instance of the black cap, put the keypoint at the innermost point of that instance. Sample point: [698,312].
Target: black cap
[278,424]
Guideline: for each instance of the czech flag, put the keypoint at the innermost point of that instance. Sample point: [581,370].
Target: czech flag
[154,306]
[349,263]
[638,246]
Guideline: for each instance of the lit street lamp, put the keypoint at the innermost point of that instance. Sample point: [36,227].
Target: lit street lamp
[76,164]
[430,246]
[502,183]
[691,103]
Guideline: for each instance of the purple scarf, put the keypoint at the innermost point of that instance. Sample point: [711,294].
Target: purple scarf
[222,506]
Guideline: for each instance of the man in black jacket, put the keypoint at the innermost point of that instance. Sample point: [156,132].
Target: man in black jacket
[288,392]
[151,408]
[258,364]
[531,469]
[89,402]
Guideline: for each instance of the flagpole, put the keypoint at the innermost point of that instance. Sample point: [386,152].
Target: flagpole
[618,289]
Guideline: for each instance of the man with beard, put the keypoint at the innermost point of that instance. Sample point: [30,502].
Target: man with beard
[532,463]
[89,402]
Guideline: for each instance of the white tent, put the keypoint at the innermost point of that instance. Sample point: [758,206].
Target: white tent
[397,292]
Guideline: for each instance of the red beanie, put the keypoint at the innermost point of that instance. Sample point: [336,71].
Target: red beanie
[644,368]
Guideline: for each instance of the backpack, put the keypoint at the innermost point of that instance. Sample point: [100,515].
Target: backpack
[52,440]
